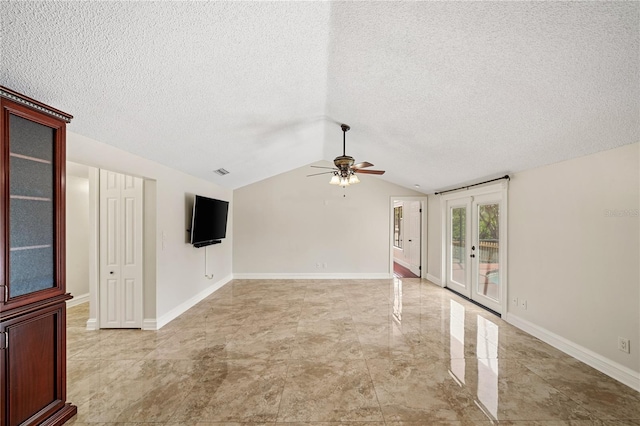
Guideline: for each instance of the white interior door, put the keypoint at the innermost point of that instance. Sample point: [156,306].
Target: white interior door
[414,241]
[120,250]
[473,254]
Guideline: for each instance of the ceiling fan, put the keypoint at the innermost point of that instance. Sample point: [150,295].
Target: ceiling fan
[344,172]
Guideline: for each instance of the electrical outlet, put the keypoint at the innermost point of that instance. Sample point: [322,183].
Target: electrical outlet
[317,265]
[514,300]
[324,265]
[624,345]
[523,304]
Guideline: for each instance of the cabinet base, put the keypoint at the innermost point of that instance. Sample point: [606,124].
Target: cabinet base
[61,416]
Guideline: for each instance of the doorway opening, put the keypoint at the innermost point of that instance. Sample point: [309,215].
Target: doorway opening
[104,231]
[408,242]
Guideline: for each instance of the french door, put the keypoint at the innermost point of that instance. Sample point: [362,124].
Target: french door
[475,257]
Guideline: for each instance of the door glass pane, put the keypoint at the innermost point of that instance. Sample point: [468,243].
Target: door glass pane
[489,250]
[458,227]
[397,226]
[31,215]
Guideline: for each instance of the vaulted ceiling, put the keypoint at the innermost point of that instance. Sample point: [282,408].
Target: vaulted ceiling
[436,93]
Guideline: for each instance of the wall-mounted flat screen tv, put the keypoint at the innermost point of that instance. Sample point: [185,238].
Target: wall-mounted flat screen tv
[209,221]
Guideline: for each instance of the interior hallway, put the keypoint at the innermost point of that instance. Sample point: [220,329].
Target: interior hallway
[375,352]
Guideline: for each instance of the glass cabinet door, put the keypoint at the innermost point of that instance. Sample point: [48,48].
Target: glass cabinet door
[31,206]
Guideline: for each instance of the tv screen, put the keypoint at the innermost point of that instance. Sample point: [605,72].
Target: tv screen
[209,221]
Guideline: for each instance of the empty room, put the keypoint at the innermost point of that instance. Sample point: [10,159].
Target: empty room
[319,213]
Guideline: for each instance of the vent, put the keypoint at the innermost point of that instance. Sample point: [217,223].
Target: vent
[221,172]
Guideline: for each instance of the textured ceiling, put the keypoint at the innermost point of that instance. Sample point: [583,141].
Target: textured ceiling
[436,93]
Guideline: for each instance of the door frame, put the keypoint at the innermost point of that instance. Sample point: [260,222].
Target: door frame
[423,233]
[500,189]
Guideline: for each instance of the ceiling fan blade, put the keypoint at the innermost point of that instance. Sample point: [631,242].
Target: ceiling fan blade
[322,167]
[323,173]
[370,172]
[362,165]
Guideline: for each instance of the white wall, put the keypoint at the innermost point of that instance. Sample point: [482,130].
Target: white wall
[576,266]
[77,235]
[287,224]
[434,240]
[180,279]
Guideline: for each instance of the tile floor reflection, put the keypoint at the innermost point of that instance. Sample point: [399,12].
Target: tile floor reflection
[314,352]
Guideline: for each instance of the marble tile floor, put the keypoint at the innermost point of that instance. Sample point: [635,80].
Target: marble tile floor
[334,352]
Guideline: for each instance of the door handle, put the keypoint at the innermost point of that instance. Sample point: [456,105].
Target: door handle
[473,255]
[110,272]
[409,240]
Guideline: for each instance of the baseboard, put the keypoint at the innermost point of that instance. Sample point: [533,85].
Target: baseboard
[92,324]
[434,279]
[184,306]
[313,276]
[149,324]
[78,300]
[609,367]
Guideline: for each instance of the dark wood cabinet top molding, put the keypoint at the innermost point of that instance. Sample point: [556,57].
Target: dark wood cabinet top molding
[32,103]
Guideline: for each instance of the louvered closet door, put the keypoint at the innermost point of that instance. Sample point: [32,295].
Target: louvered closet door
[120,250]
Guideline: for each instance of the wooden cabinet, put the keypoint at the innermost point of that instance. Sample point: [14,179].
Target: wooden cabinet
[32,263]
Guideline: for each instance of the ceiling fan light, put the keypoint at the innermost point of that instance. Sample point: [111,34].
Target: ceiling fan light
[344,172]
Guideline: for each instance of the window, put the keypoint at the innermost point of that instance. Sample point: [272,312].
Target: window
[397,226]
